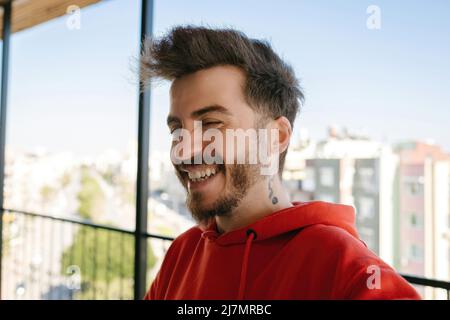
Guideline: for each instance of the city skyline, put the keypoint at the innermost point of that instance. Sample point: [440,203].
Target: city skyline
[84,89]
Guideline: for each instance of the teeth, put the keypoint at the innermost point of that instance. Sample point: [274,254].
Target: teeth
[202,175]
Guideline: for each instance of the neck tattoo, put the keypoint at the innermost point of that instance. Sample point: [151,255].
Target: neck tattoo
[272,197]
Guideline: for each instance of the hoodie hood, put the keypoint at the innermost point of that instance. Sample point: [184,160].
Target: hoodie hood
[299,216]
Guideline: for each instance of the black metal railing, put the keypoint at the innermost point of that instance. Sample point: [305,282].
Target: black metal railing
[49,257]
[426,282]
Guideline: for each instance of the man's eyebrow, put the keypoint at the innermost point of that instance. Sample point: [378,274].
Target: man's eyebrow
[213,108]
[198,113]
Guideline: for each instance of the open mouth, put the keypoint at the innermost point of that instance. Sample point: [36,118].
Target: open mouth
[199,176]
[202,175]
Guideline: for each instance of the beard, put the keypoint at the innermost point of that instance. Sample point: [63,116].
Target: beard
[240,178]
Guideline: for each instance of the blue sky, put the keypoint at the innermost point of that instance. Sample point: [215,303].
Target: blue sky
[74,90]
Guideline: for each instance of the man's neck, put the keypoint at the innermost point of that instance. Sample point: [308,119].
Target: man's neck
[262,199]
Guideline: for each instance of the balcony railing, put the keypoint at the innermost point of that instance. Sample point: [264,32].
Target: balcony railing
[48,257]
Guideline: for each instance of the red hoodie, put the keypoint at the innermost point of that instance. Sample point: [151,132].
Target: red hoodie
[308,251]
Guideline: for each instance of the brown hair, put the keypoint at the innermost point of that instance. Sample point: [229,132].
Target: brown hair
[271,86]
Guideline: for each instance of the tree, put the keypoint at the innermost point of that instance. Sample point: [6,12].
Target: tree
[106,261]
[90,197]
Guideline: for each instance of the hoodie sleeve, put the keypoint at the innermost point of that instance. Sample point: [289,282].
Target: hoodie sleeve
[161,281]
[155,291]
[158,288]
[378,281]
[152,292]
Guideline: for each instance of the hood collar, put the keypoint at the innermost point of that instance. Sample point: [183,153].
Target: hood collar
[300,215]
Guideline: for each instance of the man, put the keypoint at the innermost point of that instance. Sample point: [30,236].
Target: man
[251,242]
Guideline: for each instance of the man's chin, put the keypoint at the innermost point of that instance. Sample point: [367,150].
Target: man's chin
[213,198]
[200,207]
[201,215]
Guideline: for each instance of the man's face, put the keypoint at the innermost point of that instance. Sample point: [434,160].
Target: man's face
[213,97]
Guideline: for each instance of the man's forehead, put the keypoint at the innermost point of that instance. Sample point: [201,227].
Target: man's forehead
[222,85]
[218,77]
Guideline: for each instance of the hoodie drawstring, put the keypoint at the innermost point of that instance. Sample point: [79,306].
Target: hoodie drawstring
[251,235]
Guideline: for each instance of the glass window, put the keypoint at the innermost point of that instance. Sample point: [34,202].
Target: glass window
[327,176]
[416,252]
[366,176]
[71,152]
[325,197]
[366,208]
[309,183]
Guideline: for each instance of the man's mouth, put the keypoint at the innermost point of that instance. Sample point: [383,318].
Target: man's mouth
[201,175]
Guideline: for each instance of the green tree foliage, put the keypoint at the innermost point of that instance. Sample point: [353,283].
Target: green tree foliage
[106,261]
[90,197]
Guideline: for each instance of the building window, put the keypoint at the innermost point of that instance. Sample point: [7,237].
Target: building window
[413,220]
[366,176]
[416,252]
[366,208]
[327,177]
[416,220]
[326,197]
[414,188]
[309,182]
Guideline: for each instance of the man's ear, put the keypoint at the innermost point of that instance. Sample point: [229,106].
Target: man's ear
[283,125]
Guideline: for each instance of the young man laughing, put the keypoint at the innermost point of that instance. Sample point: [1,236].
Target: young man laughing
[251,241]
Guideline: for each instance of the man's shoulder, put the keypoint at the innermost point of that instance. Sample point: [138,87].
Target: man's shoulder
[339,244]
[330,235]
[192,233]
[186,239]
